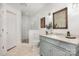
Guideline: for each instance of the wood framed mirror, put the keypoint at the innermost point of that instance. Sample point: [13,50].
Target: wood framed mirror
[42,22]
[60,19]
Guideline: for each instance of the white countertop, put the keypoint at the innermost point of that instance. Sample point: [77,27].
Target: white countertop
[63,38]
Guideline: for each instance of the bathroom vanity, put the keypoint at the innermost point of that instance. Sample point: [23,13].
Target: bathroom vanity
[58,45]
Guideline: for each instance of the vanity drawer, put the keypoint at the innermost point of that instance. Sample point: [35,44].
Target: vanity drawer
[52,41]
[68,46]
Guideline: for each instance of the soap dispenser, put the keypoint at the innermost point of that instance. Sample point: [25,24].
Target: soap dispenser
[68,33]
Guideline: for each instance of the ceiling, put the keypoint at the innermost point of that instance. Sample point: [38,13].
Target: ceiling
[29,8]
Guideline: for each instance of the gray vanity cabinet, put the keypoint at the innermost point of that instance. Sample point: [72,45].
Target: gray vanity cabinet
[52,47]
[48,49]
[45,48]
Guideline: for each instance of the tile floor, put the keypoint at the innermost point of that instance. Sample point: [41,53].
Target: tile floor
[24,50]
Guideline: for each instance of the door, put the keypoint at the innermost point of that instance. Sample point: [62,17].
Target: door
[0,33]
[11,29]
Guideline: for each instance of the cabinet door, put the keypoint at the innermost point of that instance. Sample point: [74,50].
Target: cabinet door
[45,48]
[57,51]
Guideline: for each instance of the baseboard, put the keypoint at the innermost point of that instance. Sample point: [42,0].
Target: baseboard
[11,48]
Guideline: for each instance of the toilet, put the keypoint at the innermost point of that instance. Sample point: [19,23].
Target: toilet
[34,38]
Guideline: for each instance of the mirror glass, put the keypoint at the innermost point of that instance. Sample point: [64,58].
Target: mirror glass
[42,22]
[60,19]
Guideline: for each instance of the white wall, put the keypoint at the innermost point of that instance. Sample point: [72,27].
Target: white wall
[73,18]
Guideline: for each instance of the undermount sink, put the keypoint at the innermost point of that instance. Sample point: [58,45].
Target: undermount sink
[70,37]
